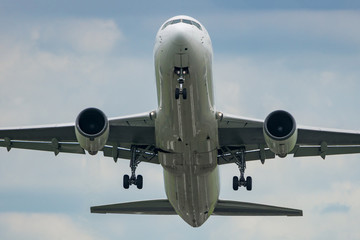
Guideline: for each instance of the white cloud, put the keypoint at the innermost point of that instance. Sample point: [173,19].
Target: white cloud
[42,226]
[308,184]
[83,35]
[39,73]
[254,86]
[329,26]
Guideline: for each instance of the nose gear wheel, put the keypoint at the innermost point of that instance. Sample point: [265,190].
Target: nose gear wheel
[181,72]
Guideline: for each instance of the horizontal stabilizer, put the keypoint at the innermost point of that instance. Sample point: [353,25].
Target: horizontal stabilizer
[232,208]
[223,208]
[154,207]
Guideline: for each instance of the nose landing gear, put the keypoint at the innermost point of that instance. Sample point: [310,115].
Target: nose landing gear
[181,72]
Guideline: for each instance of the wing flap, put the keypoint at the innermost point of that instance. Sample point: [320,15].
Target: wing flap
[315,136]
[145,154]
[253,155]
[63,133]
[305,151]
[43,146]
[233,208]
[153,207]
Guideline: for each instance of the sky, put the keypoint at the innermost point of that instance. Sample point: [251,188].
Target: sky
[59,57]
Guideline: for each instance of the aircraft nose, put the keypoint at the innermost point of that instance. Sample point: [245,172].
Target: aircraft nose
[181,37]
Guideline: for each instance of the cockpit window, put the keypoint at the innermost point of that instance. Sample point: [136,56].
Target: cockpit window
[176,21]
[166,24]
[196,24]
[187,21]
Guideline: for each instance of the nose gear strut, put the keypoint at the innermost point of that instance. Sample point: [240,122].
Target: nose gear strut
[181,72]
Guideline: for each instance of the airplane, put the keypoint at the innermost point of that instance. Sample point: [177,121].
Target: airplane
[186,135]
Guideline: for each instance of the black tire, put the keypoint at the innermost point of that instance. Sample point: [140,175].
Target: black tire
[139,182]
[235,183]
[177,93]
[126,181]
[184,93]
[249,183]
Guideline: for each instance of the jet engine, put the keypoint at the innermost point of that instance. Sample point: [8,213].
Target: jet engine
[92,130]
[280,132]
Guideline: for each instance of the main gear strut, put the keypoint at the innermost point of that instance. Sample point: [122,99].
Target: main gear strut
[241,162]
[134,162]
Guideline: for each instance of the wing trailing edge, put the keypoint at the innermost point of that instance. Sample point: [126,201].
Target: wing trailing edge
[233,208]
[223,208]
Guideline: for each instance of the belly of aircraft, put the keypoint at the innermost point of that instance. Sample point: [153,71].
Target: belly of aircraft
[186,130]
[191,184]
[189,160]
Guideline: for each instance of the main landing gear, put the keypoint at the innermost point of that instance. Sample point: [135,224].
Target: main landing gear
[181,72]
[238,182]
[136,180]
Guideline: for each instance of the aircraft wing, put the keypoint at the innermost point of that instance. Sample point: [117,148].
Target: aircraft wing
[124,132]
[236,133]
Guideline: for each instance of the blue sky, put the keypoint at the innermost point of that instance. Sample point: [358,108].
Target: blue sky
[57,58]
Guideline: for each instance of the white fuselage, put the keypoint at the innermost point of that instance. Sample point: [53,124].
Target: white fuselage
[186,129]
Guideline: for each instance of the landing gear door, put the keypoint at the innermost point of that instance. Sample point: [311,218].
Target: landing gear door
[181,60]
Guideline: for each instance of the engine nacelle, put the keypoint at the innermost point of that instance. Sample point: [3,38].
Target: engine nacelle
[280,132]
[92,130]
